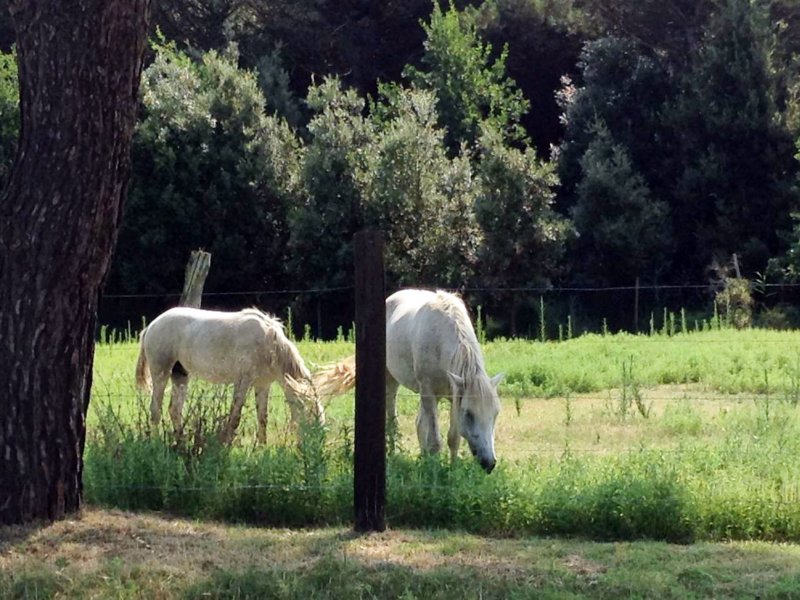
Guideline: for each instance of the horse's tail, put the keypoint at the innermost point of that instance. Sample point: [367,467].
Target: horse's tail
[143,381]
[335,379]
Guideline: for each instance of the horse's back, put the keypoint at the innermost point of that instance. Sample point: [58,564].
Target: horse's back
[421,337]
[213,344]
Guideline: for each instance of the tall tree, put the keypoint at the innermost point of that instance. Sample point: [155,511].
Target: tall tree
[79,69]
[733,186]
[623,231]
[471,87]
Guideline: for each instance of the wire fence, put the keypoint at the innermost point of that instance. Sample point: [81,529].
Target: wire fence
[467,288]
[550,312]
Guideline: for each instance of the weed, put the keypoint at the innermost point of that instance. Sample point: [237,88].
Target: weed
[631,393]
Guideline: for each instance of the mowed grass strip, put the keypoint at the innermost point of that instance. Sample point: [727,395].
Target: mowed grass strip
[113,554]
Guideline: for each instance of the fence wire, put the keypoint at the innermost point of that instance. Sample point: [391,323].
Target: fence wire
[487,289]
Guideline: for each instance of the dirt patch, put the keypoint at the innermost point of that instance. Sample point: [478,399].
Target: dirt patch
[583,566]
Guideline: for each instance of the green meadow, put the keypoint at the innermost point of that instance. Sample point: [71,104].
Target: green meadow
[691,436]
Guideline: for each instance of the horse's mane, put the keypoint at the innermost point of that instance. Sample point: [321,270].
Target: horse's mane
[468,359]
[286,354]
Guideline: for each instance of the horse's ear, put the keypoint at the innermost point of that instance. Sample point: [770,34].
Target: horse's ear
[495,381]
[456,380]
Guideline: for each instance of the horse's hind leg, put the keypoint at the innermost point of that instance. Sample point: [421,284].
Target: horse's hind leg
[159,385]
[262,407]
[180,384]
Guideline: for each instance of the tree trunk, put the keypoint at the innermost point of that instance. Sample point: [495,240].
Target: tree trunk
[79,68]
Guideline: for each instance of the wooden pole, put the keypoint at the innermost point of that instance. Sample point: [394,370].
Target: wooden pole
[369,477]
[196,273]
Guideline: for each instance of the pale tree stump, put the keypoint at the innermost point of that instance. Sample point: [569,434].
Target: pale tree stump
[196,273]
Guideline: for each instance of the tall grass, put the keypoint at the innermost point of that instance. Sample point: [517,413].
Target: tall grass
[742,486]
[678,496]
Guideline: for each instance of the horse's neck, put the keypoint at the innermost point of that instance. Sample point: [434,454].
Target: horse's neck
[289,360]
[468,359]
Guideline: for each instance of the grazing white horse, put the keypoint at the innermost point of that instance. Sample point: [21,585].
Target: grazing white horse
[431,348]
[246,348]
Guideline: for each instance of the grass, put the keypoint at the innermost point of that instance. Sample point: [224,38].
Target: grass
[611,449]
[725,360]
[113,554]
[644,445]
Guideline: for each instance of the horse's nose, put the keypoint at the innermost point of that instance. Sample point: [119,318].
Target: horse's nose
[488,464]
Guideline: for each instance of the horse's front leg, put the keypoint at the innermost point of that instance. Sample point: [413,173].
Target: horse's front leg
[392,428]
[454,432]
[240,389]
[427,421]
[262,406]
[391,398]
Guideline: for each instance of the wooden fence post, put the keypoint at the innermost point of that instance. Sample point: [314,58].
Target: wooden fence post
[369,468]
[196,273]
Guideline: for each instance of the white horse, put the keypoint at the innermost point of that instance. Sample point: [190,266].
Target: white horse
[431,348]
[246,348]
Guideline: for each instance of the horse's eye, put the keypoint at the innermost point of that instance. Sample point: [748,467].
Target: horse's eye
[469,417]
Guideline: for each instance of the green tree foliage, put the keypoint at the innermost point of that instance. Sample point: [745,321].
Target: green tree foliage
[211,171]
[387,170]
[422,199]
[671,28]
[626,90]
[734,181]
[9,113]
[274,82]
[523,235]
[786,267]
[708,140]
[471,87]
[623,232]
[330,208]
[544,44]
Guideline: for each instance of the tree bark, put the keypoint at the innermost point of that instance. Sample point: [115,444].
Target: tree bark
[80,63]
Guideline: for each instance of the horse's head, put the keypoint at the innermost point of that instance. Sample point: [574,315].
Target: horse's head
[478,406]
[304,391]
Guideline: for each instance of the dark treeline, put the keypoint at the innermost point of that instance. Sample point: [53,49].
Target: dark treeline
[500,145]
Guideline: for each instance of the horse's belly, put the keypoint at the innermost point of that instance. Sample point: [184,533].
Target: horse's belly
[414,365]
[400,364]
[214,371]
